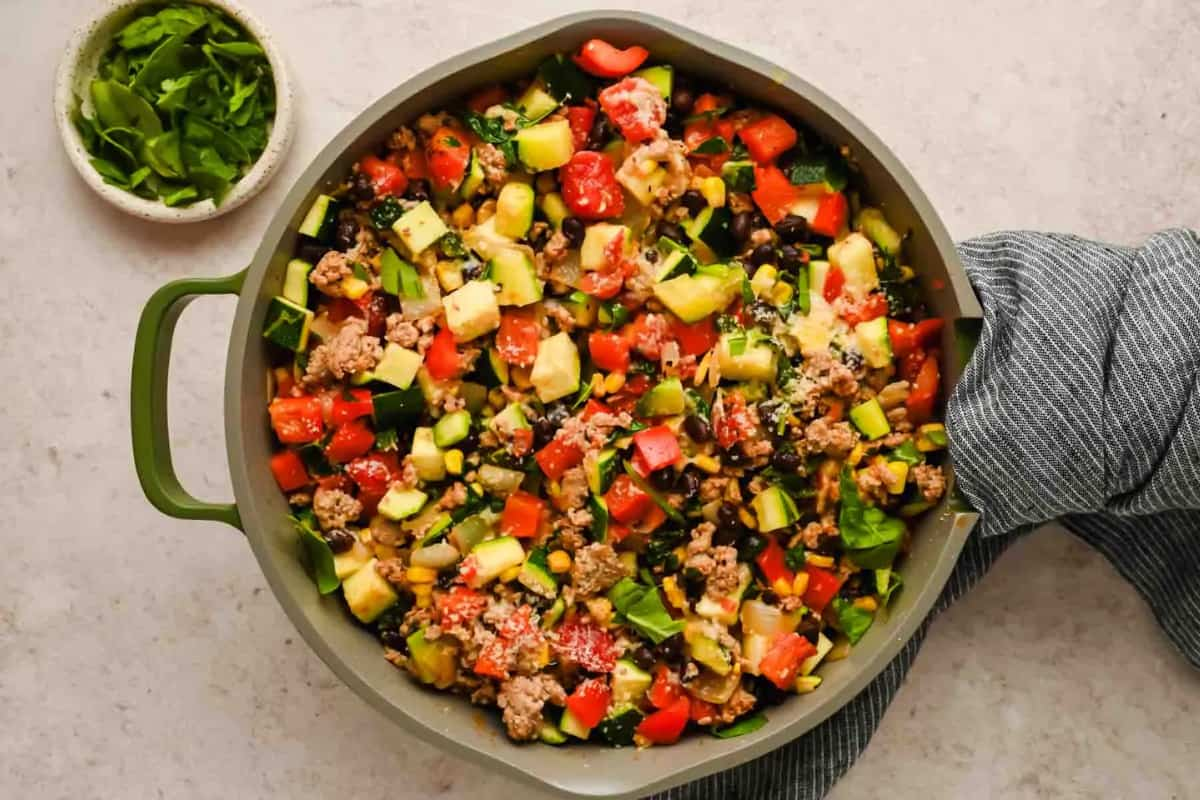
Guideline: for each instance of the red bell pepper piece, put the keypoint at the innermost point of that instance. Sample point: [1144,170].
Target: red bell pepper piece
[557,457]
[773,192]
[651,521]
[835,284]
[357,404]
[701,711]
[694,339]
[924,392]
[446,156]
[731,420]
[823,586]
[768,137]
[442,359]
[518,336]
[782,662]
[414,164]
[522,515]
[589,186]
[589,702]
[459,606]
[487,97]
[908,336]
[296,420]
[617,531]
[598,57]
[387,177]
[710,102]
[349,441]
[593,408]
[586,644]
[626,502]
[658,447]
[581,118]
[773,563]
[636,107]
[872,307]
[610,351]
[665,726]
[289,470]
[522,442]
[666,689]
[831,215]
[602,284]
[493,660]
[373,473]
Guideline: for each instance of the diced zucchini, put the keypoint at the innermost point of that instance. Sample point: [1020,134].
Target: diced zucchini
[677,262]
[774,509]
[662,76]
[493,557]
[551,617]
[550,734]
[877,229]
[419,228]
[874,342]
[536,102]
[367,593]
[738,175]
[665,399]
[490,369]
[629,682]
[432,662]
[500,481]
[287,324]
[619,727]
[295,281]
[348,562]
[932,437]
[572,726]
[705,650]
[398,366]
[401,503]
[555,371]
[583,308]
[694,297]
[725,609]
[393,409]
[824,645]
[536,579]
[856,259]
[474,177]
[516,275]
[593,254]
[806,684]
[511,418]
[514,209]
[743,356]
[599,526]
[472,311]
[554,208]
[545,146]
[427,456]
[644,182]
[321,218]
[452,428]
[870,419]
[711,226]
[602,471]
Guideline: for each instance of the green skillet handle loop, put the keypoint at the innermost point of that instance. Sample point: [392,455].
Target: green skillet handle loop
[148,400]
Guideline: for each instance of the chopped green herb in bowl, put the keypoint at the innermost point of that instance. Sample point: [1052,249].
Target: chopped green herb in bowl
[174,111]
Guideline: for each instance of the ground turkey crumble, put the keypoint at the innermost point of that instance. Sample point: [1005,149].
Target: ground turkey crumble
[596,568]
[931,481]
[591,434]
[835,439]
[328,273]
[335,508]
[573,490]
[495,167]
[522,698]
[350,350]
[831,375]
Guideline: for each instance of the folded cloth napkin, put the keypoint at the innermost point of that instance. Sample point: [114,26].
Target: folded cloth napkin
[1081,404]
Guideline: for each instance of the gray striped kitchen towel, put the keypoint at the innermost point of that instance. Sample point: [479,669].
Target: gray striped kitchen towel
[1080,404]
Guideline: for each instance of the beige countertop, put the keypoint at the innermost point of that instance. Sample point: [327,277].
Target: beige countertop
[143,657]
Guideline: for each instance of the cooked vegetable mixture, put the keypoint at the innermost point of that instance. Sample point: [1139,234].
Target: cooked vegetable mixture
[605,403]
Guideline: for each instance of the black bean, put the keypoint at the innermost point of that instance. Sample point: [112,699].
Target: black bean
[750,546]
[693,583]
[311,250]
[363,188]
[557,413]
[697,428]
[340,540]
[643,657]
[790,258]
[693,201]
[729,535]
[543,432]
[739,226]
[767,693]
[769,597]
[854,587]
[418,190]
[763,313]
[651,256]
[469,442]
[786,460]
[689,483]
[763,254]
[663,479]
[446,579]
[471,269]
[600,133]
[792,228]
[671,650]
[757,220]
[346,233]
[727,515]
[672,231]
[682,100]
[809,628]
[574,229]
[394,639]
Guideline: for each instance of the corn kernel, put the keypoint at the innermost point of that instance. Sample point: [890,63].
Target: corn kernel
[420,575]
[454,461]
[353,288]
[866,603]
[424,601]
[899,471]
[601,610]
[463,216]
[613,382]
[713,190]
[856,455]
[675,595]
[782,587]
[598,385]
[680,553]
[449,275]
[543,657]
[818,560]
[782,293]
[559,561]
[509,575]
[800,584]
[764,280]
[907,273]
[747,518]
[422,589]
[478,487]
[707,463]
[702,369]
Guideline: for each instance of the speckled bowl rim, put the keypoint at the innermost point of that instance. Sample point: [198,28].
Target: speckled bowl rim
[79,61]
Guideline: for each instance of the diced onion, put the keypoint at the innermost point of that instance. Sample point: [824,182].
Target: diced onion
[435,556]
[758,617]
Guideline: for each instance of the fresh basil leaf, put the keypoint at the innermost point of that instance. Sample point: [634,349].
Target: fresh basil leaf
[852,620]
[174,96]
[162,154]
[870,536]
[387,439]
[908,453]
[241,93]
[740,728]
[110,172]
[643,608]
[168,60]
[716,144]
[410,282]
[740,153]
[317,552]
[141,32]
[117,107]
[237,49]
[181,196]
[825,168]
[564,81]
[183,20]
[138,177]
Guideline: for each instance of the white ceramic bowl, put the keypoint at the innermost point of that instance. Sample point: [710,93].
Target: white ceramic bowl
[77,69]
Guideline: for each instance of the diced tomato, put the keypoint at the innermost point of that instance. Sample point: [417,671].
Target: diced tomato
[694,339]
[518,625]
[598,57]
[925,391]
[522,515]
[617,531]
[557,457]
[493,660]
[522,441]
[768,137]
[658,447]
[872,307]
[773,563]
[831,215]
[638,462]
[731,420]
[626,502]
[666,725]
[835,284]
[374,308]
[459,606]
[442,359]
[414,164]
[447,154]
[909,336]
[594,407]
[296,420]
[651,521]
[647,334]
[911,364]
[666,689]
[289,470]
[602,284]
[635,106]
[345,408]
[609,351]
[773,192]
[487,97]
[586,644]
[701,711]
[518,336]
[699,131]
[589,702]
[374,472]
[710,102]
[782,662]
[823,586]
[580,118]
[626,399]
[349,441]
[387,177]
[589,186]
[341,309]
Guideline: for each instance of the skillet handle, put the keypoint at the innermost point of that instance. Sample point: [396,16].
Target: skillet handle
[148,400]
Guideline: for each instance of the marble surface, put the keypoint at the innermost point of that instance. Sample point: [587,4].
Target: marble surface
[144,657]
